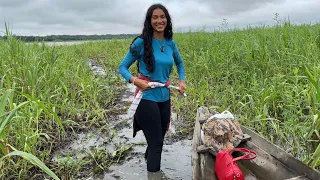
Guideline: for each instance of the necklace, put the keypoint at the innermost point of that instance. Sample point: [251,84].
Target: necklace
[161,47]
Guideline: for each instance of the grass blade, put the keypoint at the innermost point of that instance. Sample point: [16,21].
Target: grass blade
[315,160]
[3,100]
[313,81]
[6,121]
[46,110]
[34,160]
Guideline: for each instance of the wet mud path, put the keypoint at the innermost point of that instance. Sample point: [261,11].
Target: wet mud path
[176,155]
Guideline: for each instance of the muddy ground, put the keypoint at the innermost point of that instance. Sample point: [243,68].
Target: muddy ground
[176,156]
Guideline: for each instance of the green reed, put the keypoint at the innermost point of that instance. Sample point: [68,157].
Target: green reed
[258,74]
[45,93]
[266,76]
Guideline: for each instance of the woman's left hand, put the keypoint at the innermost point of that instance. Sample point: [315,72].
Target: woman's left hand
[182,86]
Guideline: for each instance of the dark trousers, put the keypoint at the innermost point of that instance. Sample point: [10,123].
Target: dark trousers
[153,118]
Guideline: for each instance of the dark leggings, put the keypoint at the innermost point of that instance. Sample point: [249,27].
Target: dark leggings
[153,118]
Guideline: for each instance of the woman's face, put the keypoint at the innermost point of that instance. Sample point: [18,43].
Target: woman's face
[158,20]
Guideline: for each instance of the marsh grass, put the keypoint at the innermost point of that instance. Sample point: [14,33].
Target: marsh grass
[46,92]
[268,77]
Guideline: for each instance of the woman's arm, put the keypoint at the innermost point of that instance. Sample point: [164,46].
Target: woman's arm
[132,55]
[124,66]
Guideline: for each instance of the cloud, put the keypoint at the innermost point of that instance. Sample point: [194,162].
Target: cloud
[13,3]
[242,13]
[233,7]
[44,17]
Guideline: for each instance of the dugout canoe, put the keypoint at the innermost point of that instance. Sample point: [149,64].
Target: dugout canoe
[271,163]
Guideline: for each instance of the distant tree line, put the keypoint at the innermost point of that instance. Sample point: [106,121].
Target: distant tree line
[72,37]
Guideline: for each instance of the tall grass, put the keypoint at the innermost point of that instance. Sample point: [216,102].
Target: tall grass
[267,77]
[260,75]
[45,93]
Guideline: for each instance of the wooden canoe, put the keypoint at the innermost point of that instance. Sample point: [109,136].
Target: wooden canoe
[271,163]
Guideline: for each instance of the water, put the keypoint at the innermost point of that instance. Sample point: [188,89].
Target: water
[176,156]
[96,68]
[65,43]
[176,164]
[62,43]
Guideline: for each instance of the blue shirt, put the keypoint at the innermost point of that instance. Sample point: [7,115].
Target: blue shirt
[164,62]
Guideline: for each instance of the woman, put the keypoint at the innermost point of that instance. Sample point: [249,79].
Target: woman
[155,52]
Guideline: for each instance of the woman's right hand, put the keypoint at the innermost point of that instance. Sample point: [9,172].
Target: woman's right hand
[142,84]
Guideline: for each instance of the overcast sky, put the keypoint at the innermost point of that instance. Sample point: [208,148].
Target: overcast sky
[45,17]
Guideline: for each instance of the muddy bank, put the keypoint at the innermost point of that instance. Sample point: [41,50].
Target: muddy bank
[126,152]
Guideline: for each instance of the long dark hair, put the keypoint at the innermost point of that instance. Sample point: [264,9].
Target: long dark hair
[147,34]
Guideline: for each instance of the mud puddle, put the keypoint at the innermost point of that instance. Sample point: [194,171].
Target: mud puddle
[176,164]
[176,155]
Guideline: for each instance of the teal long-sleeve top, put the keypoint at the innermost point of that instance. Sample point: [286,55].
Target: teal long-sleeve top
[164,62]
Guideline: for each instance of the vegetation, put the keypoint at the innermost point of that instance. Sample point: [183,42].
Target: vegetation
[71,37]
[46,94]
[266,76]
